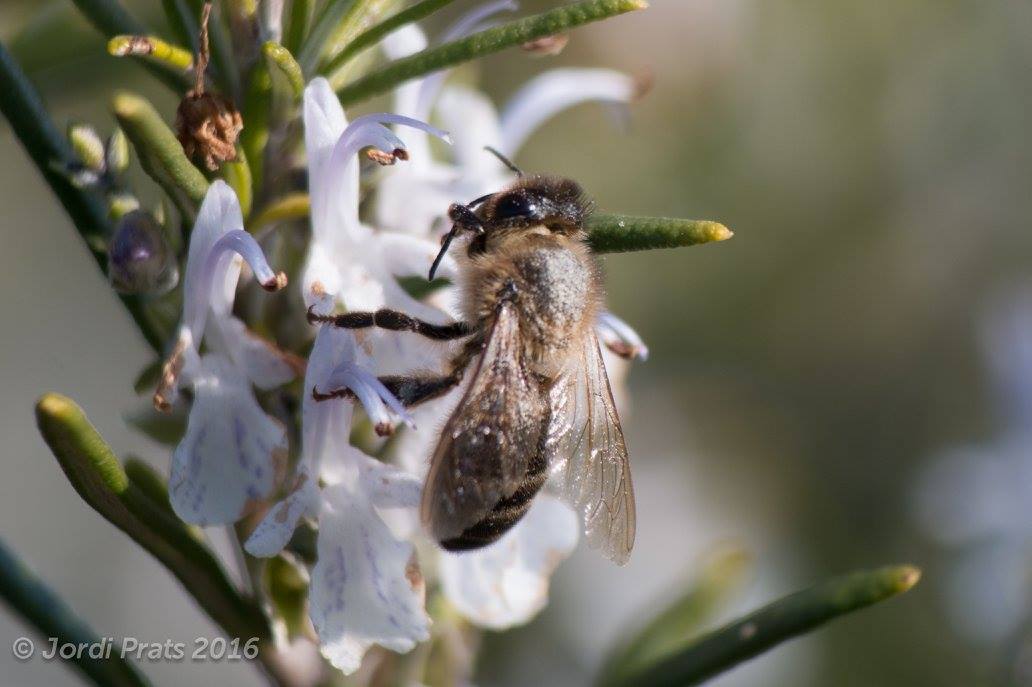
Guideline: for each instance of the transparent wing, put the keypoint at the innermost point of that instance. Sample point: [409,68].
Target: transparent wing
[487,444]
[588,454]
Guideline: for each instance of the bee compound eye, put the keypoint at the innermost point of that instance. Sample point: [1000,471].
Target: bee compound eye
[514,205]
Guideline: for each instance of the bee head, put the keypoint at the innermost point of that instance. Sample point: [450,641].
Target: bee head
[528,204]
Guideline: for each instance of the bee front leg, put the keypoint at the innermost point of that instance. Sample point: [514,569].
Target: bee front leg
[393,320]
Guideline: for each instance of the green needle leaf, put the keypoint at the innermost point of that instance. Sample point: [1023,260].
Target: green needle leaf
[623,233]
[111,19]
[42,608]
[153,48]
[485,42]
[97,476]
[375,34]
[327,21]
[722,574]
[297,19]
[51,152]
[780,621]
[160,153]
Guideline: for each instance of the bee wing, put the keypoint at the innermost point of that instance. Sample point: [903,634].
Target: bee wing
[588,456]
[488,442]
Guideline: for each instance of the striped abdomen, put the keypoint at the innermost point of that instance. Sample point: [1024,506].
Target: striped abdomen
[506,513]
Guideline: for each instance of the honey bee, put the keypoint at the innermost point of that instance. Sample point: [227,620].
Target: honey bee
[538,405]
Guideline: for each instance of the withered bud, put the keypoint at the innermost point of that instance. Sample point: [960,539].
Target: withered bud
[546,46]
[385,159]
[207,126]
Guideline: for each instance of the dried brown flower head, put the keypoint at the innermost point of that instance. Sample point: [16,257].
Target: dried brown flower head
[207,124]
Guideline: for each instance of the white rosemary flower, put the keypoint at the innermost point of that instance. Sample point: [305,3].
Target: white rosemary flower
[233,453]
[976,499]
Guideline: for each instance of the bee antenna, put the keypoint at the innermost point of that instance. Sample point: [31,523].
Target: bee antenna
[444,251]
[504,160]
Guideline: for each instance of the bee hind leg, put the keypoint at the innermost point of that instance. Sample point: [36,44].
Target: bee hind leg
[393,320]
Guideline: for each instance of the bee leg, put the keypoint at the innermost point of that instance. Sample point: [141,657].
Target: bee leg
[393,320]
[414,389]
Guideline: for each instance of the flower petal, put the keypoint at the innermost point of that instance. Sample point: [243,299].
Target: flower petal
[366,587]
[553,91]
[473,121]
[277,527]
[264,364]
[407,255]
[473,20]
[232,454]
[620,337]
[219,213]
[506,583]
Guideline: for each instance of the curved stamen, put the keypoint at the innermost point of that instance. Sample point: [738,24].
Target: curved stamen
[342,166]
[553,91]
[377,400]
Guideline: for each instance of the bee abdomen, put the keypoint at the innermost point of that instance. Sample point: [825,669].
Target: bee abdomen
[504,515]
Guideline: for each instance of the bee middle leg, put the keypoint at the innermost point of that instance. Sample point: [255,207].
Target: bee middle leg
[393,320]
[414,389]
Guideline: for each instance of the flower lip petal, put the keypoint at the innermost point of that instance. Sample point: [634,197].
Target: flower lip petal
[558,89]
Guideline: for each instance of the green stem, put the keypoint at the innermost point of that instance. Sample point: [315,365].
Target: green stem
[50,152]
[111,19]
[44,610]
[485,42]
[776,623]
[160,152]
[375,34]
[623,233]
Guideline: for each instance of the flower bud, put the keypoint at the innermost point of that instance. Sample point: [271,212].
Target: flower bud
[139,258]
[88,146]
[117,152]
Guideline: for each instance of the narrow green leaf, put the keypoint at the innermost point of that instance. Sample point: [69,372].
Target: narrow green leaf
[623,233]
[160,153]
[322,27]
[50,152]
[111,19]
[182,21]
[44,610]
[721,575]
[293,206]
[780,621]
[281,58]
[297,20]
[96,475]
[151,484]
[361,15]
[151,47]
[485,42]
[375,34]
[257,114]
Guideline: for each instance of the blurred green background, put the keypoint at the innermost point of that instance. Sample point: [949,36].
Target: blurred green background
[874,162]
